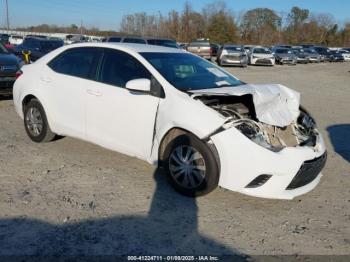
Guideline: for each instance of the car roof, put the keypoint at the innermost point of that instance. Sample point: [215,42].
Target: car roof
[138,48]
[139,37]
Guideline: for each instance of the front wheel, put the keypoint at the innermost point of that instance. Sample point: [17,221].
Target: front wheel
[191,166]
[35,123]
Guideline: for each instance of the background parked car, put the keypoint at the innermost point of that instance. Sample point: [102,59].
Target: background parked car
[336,56]
[9,65]
[38,47]
[16,39]
[214,49]
[284,56]
[201,48]
[314,57]
[323,51]
[260,55]
[232,55]
[248,48]
[302,57]
[346,54]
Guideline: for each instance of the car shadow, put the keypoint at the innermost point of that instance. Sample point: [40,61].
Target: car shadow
[170,228]
[340,139]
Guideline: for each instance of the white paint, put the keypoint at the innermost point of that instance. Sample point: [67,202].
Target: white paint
[135,124]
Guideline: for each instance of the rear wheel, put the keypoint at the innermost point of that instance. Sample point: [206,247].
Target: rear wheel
[191,166]
[35,122]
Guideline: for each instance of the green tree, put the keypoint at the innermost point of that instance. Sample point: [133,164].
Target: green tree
[260,26]
[222,29]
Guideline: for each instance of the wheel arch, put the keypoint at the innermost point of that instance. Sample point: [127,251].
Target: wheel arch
[175,132]
[30,96]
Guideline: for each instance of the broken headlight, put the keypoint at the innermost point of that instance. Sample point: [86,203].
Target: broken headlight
[252,130]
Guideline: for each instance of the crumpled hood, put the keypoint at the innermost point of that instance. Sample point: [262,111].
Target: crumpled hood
[274,104]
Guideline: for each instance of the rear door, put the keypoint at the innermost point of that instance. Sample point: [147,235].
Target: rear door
[68,78]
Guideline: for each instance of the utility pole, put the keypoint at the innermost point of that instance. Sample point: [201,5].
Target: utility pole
[7,15]
[81,26]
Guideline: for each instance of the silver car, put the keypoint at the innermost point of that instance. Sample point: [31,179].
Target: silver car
[232,55]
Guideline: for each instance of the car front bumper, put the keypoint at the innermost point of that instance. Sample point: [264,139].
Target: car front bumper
[233,60]
[242,161]
[263,61]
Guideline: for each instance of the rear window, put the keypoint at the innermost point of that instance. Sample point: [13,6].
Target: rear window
[233,48]
[261,51]
[79,62]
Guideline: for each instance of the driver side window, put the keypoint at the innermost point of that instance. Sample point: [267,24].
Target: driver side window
[118,68]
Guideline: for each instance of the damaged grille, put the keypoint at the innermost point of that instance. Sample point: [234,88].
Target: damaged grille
[308,172]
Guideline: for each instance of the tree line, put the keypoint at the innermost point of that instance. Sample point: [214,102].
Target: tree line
[217,22]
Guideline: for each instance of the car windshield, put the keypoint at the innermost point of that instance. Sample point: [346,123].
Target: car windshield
[311,51]
[261,51]
[283,51]
[3,50]
[188,72]
[233,48]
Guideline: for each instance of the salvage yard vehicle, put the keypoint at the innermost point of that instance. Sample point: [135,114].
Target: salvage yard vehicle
[9,65]
[323,51]
[232,55]
[313,55]
[345,54]
[201,48]
[336,56]
[301,55]
[260,55]
[37,47]
[176,110]
[16,39]
[285,56]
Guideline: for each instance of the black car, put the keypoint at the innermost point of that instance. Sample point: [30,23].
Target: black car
[9,66]
[4,38]
[324,51]
[38,47]
[336,56]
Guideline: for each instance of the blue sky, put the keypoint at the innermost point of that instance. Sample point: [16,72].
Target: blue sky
[107,14]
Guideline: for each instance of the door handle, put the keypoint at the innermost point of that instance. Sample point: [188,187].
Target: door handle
[93,92]
[45,79]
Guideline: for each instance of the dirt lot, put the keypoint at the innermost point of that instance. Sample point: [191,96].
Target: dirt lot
[72,197]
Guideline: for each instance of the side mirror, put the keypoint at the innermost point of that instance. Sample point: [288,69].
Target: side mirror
[139,85]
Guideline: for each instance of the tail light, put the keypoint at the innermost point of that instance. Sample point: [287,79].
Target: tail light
[211,51]
[19,73]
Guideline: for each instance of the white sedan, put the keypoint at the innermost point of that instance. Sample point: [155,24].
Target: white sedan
[176,110]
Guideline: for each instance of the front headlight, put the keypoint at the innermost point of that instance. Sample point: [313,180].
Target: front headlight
[252,130]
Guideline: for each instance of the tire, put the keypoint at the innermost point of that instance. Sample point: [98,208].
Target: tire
[35,123]
[201,179]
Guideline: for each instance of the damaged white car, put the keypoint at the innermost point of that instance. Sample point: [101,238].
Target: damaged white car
[174,109]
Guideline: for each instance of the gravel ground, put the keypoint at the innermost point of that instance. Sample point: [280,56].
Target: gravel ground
[71,197]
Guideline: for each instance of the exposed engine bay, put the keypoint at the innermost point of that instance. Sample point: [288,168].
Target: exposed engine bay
[241,114]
